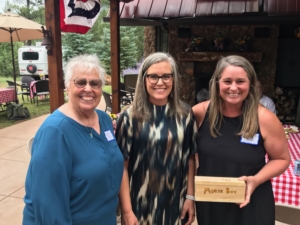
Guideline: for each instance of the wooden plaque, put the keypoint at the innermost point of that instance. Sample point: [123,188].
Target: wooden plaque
[219,189]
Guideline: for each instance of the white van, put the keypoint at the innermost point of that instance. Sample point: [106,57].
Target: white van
[33,60]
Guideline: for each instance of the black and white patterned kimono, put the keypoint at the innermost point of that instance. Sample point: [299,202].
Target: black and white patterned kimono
[158,151]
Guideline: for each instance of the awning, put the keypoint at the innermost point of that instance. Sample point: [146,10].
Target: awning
[155,12]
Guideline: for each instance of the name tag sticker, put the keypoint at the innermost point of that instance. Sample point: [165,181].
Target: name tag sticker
[109,135]
[252,141]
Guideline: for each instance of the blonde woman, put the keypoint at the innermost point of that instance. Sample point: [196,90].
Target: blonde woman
[235,134]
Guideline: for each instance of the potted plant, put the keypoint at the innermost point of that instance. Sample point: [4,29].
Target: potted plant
[218,41]
[196,45]
[243,43]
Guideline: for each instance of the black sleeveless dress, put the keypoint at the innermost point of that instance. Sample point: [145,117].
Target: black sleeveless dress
[226,156]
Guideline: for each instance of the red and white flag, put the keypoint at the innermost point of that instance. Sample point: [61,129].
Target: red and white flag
[78,16]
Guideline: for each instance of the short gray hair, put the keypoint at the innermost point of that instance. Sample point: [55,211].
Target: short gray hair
[87,62]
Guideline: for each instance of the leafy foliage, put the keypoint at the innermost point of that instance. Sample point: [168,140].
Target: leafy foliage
[129,53]
[6,66]
[33,10]
[96,41]
[77,44]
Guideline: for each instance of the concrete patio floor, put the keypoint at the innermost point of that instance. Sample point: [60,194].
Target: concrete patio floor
[14,161]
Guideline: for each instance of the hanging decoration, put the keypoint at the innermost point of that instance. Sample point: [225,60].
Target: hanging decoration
[78,16]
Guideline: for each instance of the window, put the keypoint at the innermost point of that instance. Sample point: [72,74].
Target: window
[161,40]
[30,56]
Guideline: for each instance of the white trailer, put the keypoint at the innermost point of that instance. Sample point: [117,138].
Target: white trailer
[33,60]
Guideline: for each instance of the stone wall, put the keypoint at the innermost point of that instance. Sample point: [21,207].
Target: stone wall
[149,40]
[266,48]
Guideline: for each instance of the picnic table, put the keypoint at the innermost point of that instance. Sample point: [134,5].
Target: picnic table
[7,95]
[286,187]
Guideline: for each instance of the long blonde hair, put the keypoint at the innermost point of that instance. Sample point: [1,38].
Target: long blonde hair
[249,106]
[141,105]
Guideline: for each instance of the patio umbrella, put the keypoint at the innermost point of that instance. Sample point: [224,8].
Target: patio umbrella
[17,28]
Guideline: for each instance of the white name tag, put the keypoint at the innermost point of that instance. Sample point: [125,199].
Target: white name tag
[109,135]
[252,141]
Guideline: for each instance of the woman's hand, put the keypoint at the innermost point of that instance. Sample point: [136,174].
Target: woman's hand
[251,184]
[188,208]
[129,219]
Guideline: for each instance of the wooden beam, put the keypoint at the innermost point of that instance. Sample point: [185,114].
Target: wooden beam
[56,84]
[115,54]
[215,56]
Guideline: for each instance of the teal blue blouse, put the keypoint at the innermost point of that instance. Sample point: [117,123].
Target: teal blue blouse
[73,178]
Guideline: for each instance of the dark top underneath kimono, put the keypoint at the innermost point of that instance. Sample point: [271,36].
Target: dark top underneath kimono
[158,152]
[226,156]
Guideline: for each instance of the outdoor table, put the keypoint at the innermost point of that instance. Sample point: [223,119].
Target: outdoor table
[286,187]
[6,95]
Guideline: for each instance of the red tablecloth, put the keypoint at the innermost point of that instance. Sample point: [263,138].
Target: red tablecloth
[32,89]
[7,95]
[286,187]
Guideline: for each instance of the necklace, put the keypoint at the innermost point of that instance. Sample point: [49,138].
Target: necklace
[90,132]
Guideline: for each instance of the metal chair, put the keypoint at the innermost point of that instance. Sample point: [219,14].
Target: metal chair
[126,96]
[12,84]
[287,214]
[107,99]
[130,82]
[41,89]
[25,87]
[29,145]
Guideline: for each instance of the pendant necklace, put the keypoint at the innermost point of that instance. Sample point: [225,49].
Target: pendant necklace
[91,131]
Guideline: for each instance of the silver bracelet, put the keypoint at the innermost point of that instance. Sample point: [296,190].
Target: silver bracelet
[191,197]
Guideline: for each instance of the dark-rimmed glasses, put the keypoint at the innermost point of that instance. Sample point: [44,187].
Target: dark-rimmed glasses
[153,78]
[96,84]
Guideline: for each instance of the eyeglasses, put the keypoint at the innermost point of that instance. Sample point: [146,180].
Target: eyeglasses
[153,78]
[96,84]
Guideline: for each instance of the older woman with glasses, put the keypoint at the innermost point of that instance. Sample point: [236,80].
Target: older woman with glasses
[157,136]
[76,166]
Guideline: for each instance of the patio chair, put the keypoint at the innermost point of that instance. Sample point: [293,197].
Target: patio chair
[41,89]
[126,96]
[130,82]
[25,87]
[11,84]
[108,103]
[287,214]
[29,145]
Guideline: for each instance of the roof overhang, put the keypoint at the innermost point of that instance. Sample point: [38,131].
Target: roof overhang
[211,20]
[193,12]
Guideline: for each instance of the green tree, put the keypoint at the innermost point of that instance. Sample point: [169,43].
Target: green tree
[129,52]
[76,44]
[6,66]
[97,29]
[128,45]
[140,41]
[104,47]
[131,41]
[33,10]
